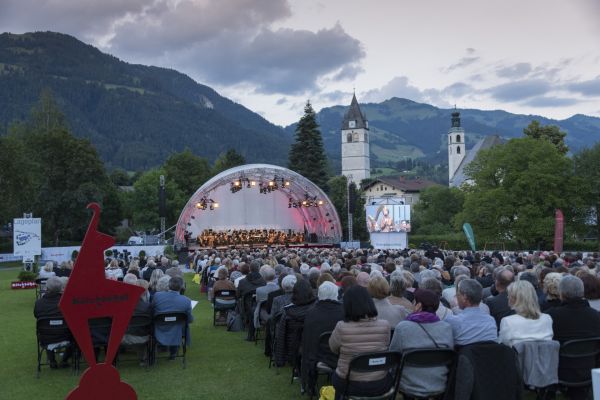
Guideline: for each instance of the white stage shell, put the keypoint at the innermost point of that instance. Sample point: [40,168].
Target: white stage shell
[250,209]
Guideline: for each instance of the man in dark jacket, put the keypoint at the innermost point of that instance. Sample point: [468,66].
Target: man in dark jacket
[320,319]
[47,307]
[248,285]
[574,319]
[498,304]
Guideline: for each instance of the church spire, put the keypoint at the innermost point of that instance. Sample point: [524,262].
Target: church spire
[354,114]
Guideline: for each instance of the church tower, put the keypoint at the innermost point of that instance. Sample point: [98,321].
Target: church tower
[456,145]
[356,161]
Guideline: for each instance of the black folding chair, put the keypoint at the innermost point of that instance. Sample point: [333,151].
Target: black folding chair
[171,320]
[223,301]
[388,361]
[325,364]
[139,325]
[427,358]
[51,331]
[273,327]
[40,287]
[581,352]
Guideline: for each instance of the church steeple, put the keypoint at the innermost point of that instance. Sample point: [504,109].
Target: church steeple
[354,118]
[356,163]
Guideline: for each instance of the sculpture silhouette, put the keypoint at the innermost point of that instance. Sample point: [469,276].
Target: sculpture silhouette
[90,295]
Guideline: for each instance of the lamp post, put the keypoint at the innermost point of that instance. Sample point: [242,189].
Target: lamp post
[350,208]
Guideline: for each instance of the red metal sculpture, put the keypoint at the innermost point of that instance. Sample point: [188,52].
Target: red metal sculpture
[89,295]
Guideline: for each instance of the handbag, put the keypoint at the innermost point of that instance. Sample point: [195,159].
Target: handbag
[234,322]
[327,393]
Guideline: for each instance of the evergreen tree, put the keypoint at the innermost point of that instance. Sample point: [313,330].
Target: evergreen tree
[228,160]
[307,156]
[551,133]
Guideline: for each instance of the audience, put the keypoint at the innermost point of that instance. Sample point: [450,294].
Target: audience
[472,324]
[528,323]
[398,286]
[47,307]
[498,303]
[379,290]
[47,271]
[422,330]
[359,332]
[171,301]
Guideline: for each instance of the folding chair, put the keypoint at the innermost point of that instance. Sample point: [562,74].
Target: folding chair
[538,362]
[325,364]
[139,325]
[223,301]
[51,332]
[581,352]
[372,362]
[427,358]
[171,320]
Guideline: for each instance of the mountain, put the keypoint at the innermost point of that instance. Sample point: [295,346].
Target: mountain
[135,115]
[403,128]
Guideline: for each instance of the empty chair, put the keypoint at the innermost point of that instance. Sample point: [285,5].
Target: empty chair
[576,360]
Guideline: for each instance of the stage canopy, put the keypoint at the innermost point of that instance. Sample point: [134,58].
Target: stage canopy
[260,196]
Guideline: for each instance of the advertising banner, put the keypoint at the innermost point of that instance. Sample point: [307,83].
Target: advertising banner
[27,237]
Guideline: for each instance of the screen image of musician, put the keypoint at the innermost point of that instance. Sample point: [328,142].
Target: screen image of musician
[388,218]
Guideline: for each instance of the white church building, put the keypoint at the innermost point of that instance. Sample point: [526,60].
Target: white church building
[458,157]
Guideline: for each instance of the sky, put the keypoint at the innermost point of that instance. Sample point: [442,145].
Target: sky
[537,57]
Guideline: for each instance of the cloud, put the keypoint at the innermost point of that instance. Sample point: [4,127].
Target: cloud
[545,101]
[587,88]
[463,62]
[519,90]
[518,70]
[219,42]
[281,100]
[458,89]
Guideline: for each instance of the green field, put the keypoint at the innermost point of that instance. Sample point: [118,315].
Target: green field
[220,364]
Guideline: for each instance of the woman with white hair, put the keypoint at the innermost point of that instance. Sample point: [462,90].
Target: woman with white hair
[113,271]
[322,318]
[47,271]
[287,285]
[528,322]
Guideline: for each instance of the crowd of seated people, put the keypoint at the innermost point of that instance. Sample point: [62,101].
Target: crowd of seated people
[235,237]
[164,293]
[372,301]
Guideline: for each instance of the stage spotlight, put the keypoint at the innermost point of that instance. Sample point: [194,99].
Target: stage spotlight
[304,203]
[271,183]
[216,205]
[320,202]
[237,183]
[287,183]
[199,205]
[252,183]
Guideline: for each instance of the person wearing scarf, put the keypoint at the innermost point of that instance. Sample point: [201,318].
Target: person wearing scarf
[422,329]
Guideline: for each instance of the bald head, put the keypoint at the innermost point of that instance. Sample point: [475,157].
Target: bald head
[503,279]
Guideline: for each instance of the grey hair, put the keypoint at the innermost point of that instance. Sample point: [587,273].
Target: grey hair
[130,279]
[267,272]
[49,266]
[460,270]
[431,284]
[163,283]
[398,284]
[471,290]
[570,288]
[288,282]
[430,273]
[176,284]
[328,291]
[54,285]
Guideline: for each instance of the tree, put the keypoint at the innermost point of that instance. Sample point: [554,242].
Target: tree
[338,194]
[228,160]
[144,200]
[551,133]
[66,174]
[119,177]
[436,209]
[307,156]
[587,173]
[187,171]
[517,186]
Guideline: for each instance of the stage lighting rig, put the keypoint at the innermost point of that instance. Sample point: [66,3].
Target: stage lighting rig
[206,203]
[309,201]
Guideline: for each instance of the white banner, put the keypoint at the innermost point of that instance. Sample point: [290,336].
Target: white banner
[395,240]
[9,257]
[60,254]
[27,236]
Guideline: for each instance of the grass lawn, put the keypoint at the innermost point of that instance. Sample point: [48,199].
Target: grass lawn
[220,364]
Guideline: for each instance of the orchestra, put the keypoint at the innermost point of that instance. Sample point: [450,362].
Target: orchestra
[236,237]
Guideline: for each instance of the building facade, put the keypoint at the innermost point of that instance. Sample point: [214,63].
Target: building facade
[356,160]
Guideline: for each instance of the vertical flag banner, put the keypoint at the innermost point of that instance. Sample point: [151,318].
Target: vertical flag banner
[559,230]
[470,235]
